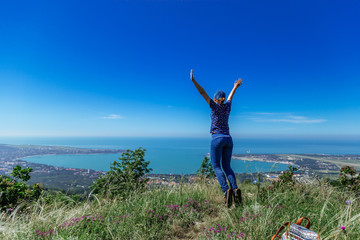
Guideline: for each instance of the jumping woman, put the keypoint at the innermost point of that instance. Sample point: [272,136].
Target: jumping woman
[221,141]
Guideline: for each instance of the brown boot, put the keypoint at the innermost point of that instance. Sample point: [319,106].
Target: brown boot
[228,197]
[237,197]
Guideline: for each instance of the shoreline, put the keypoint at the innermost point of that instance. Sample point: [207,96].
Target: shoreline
[301,161]
[73,174]
[260,160]
[244,158]
[52,154]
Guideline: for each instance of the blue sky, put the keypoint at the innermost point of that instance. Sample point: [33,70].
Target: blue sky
[121,68]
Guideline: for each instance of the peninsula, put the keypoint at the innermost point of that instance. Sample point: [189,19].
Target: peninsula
[70,179]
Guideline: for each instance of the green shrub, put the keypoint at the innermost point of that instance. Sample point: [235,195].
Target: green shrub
[12,192]
[125,175]
[286,178]
[349,178]
[21,173]
[206,170]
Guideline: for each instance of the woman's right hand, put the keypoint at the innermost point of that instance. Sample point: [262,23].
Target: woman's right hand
[191,75]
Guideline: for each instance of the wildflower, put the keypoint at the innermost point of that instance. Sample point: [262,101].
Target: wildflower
[343,229]
[10,209]
[348,202]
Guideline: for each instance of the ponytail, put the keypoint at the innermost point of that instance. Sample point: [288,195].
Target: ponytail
[220,96]
[221,100]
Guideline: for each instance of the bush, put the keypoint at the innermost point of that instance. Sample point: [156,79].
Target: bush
[125,175]
[21,173]
[349,178]
[206,170]
[12,192]
[286,178]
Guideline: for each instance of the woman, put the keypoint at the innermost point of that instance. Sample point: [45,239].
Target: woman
[221,142]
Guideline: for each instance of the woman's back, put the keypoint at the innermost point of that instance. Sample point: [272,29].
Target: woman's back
[220,117]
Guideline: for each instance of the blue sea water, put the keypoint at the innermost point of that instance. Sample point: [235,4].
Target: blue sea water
[183,155]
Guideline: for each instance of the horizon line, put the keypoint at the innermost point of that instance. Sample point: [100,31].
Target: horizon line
[186,136]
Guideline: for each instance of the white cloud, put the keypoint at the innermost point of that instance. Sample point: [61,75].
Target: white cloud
[284,118]
[298,117]
[113,116]
[265,113]
[292,120]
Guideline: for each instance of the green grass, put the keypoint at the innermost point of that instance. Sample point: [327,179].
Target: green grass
[190,211]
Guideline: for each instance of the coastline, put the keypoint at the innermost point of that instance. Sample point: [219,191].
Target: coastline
[53,154]
[278,159]
[180,163]
[79,173]
[251,159]
[80,161]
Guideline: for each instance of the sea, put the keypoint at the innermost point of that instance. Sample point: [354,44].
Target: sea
[184,155]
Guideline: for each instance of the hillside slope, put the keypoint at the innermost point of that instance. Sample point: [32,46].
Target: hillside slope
[189,211]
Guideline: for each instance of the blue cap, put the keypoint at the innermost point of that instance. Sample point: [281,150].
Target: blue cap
[219,94]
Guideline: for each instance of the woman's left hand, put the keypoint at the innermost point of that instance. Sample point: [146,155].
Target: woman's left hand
[238,83]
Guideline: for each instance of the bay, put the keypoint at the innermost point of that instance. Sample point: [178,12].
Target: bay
[182,155]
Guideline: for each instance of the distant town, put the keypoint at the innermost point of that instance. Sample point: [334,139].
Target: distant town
[78,180]
[50,176]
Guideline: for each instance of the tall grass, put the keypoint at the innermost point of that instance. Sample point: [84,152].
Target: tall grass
[189,211]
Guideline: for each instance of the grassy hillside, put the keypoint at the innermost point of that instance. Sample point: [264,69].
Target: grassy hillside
[190,211]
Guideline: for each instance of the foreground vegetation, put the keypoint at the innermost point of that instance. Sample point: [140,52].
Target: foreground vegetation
[190,211]
[121,206]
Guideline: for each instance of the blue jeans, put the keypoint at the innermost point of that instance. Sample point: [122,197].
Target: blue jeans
[221,151]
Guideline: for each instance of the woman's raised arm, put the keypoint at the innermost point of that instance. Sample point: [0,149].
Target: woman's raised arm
[236,85]
[199,88]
